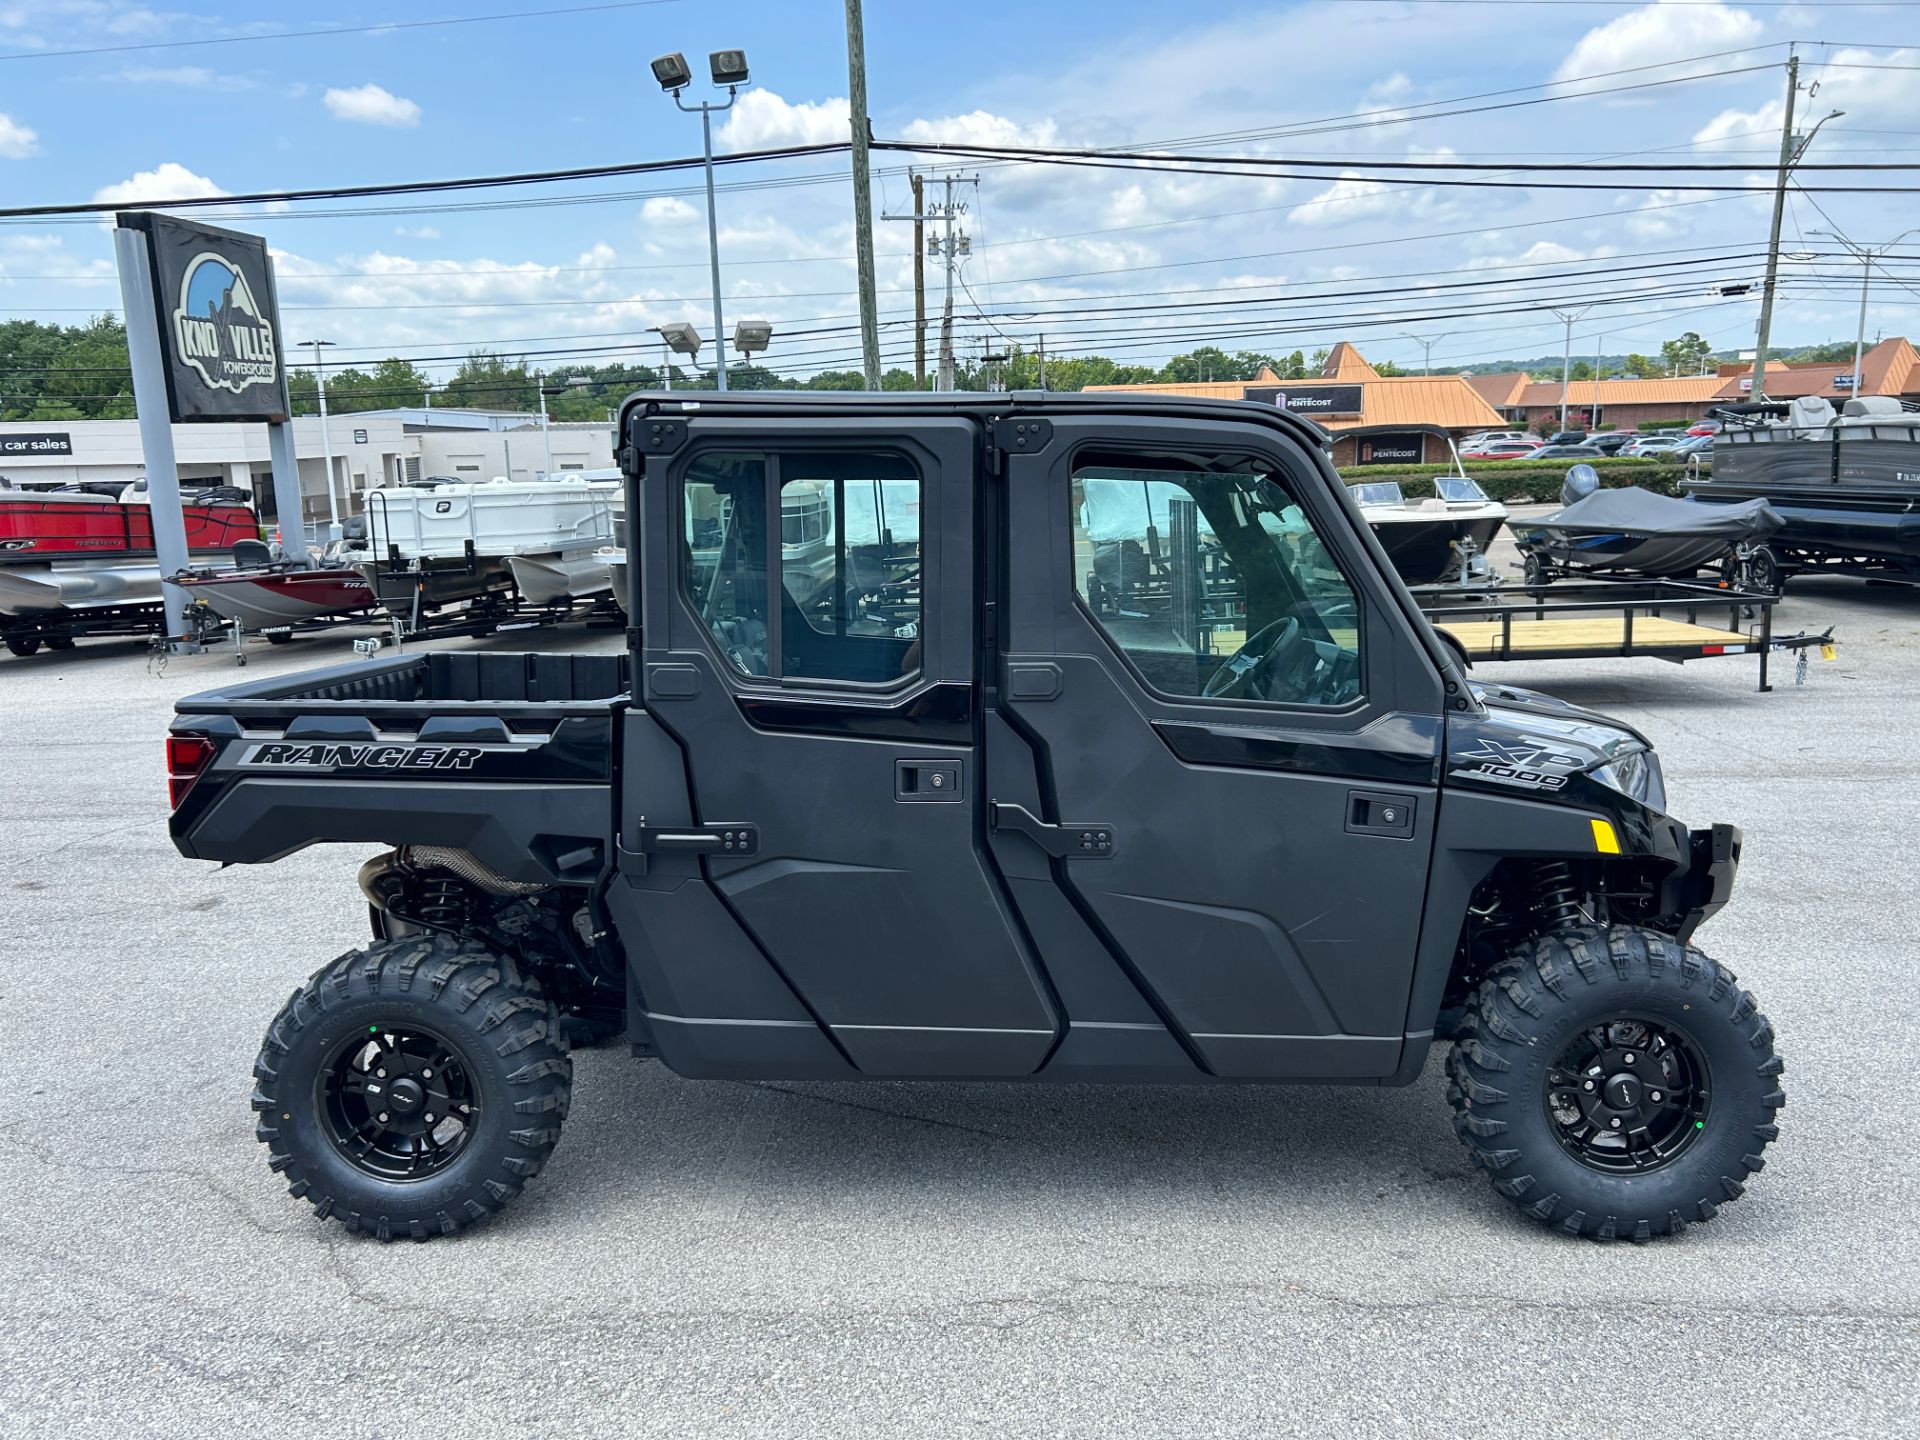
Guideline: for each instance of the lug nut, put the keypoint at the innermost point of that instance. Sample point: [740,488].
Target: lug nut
[383,1118]
[429,1117]
[1628,1057]
[1587,1086]
[426,1074]
[1615,1122]
[1655,1097]
[380,1074]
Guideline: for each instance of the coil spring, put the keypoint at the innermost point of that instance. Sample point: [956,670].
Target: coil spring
[441,901]
[1556,898]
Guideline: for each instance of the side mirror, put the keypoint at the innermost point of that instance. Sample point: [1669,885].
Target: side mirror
[1582,481]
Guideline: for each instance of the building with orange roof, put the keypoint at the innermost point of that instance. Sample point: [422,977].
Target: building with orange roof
[1397,419]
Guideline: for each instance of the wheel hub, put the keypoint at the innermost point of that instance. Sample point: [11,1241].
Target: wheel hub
[398,1103]
[1627,1095]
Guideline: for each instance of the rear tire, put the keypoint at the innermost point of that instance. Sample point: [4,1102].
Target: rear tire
[59,642]
[1544,1128]
[355,1066]
[23,645]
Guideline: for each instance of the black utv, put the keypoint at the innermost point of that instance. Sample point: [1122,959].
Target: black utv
[1011,737]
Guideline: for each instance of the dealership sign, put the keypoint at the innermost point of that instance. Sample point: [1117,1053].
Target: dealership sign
[1405,449]
[218,320]
[36,442]
[1312,401]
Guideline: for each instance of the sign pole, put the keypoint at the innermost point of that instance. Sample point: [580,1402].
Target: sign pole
[156,426]
[287,502]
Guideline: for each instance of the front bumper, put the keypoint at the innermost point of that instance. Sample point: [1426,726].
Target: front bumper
[1703,887]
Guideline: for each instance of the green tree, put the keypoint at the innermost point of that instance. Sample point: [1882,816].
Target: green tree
[1642,367]
[1689,355]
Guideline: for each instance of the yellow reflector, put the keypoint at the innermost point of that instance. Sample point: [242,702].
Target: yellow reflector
[1829,652]
[1604,840]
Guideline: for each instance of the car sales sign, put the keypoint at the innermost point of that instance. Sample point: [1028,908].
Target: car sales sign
[1312,401]
[218,318]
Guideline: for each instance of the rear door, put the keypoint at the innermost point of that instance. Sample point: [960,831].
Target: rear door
[1237,732]
[810,644]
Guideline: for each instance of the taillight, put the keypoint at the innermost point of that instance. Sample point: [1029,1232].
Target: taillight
[187,756]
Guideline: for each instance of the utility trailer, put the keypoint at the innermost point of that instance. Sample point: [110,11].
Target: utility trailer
[25,634]
[1671,620]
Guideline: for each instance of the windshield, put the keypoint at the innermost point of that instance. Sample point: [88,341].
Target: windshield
[1460,488]
[1379,492]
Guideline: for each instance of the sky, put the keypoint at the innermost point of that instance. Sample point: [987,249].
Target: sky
[1288,263]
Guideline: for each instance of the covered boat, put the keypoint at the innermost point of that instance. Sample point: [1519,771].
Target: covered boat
[1633,532]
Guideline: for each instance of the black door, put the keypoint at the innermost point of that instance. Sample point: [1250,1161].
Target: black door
[1238,737]
[811,648]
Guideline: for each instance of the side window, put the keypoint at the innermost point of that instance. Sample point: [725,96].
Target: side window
[846,546]
[1212,582]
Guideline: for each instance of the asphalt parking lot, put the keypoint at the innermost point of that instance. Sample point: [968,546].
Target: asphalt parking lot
[728,1259]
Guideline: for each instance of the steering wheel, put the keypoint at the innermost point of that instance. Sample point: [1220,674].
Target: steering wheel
[1262,651]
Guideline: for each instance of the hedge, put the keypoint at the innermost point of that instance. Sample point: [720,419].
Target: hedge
[1529,480]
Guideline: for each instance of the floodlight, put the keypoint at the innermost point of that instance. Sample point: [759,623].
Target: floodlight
[752,336]
[672,72]
[681,337]
[729,67]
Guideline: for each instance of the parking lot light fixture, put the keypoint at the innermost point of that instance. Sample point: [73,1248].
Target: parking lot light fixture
[729,71]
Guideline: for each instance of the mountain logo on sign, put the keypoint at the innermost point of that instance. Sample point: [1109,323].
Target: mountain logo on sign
[218,328]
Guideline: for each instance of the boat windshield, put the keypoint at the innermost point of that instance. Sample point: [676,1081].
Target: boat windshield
[1379,492]
[1458,489]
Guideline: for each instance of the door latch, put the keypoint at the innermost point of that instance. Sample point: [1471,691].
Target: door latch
[1380,812]
[728,840]
[1063,842]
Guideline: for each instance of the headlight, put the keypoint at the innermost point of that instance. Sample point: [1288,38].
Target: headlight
[1635,775]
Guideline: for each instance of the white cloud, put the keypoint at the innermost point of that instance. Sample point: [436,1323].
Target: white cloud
[1656,35]
[416,232]
[762,120]
[17,142]
[372,105]
[982,127]
[167,181]
[1351,198]
[668,210]
[187,77]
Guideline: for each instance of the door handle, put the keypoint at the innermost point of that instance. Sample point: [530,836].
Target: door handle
[1381,812]
[1063,842]
[727,840]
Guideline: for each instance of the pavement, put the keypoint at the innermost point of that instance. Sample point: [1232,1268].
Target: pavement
[715,1259]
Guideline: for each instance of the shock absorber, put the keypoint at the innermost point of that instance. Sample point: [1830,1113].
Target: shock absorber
[1556,898]
[440,901]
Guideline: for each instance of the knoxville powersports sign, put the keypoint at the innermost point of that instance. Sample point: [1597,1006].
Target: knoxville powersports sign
[218,319]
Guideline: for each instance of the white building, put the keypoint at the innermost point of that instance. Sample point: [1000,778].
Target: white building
[375,448]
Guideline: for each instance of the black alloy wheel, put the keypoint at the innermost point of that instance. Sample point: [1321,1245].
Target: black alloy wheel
[399,1102]
[1628,1095]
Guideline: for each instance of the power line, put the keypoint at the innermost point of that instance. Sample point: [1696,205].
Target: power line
[385,26]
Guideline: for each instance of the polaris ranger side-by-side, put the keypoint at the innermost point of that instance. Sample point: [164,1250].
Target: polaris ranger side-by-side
[1012,737]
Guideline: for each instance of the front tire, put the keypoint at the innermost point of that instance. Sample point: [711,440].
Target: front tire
[413,1087]
[1614,1083]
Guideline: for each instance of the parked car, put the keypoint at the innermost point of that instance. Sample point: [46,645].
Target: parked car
[1501,450]
[1692,445]
[1567,452]
[1651,445]
[1568,437]
[1487,437]
[1613,441]
[1704,427]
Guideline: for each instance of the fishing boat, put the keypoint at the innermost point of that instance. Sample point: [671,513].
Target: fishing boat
[1634,533]
[266,596]
[1845,485]
[1437,536]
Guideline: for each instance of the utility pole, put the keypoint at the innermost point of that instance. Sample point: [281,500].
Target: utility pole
[1566,362]
[919,284]
[1865,254]
[1426,351]
[950,246]
[862,192]
[1791,149]
[1759,388]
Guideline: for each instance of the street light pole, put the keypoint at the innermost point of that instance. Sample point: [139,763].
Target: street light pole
[326,440]
[1426,350]
[1790,152]
[729,69]
[1865,253]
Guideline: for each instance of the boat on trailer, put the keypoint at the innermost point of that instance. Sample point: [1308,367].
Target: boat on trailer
[262,597]
[1435,537]
[1846,485]
[1633,533]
